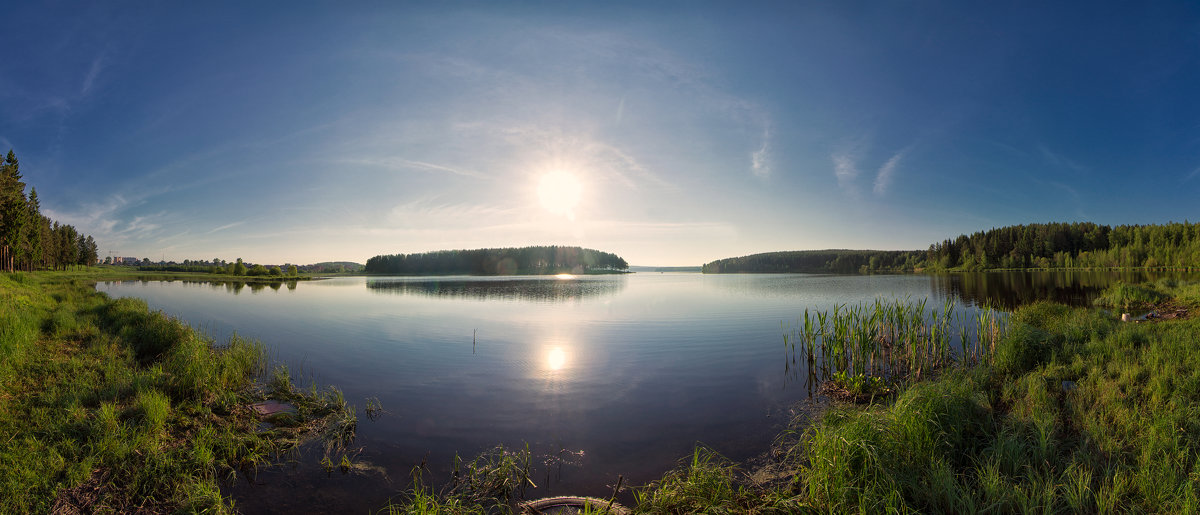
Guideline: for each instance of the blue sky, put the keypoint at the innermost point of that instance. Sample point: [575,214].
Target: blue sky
[304,132]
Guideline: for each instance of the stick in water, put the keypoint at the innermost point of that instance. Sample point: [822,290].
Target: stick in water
[613,499]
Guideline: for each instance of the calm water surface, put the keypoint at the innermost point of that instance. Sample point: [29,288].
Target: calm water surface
[600,375]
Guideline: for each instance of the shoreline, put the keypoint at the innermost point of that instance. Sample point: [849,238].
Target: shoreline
[1046,393]
[109,406]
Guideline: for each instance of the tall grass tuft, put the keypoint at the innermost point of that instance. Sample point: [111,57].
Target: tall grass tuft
[1127,296]
[706,483]
[154,407]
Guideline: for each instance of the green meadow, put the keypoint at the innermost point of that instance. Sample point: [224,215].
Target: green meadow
[107,406]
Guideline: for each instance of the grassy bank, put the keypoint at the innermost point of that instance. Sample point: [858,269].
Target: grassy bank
[1073,412]
[1077,413]
[108,406]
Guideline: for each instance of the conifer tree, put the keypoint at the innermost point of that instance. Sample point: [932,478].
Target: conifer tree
[33,234]
[13,212]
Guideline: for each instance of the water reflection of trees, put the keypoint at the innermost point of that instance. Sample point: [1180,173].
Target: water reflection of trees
[1011,289]
[234,287]
[538,290]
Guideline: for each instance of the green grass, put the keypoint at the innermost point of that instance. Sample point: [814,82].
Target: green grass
[1126,296]
[108,406]
[708,483]
[1078,413]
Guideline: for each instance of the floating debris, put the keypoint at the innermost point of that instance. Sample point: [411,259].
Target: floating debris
[269,407]
[573,505]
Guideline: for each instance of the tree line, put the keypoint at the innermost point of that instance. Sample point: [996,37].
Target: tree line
[1071,245]
[30,240]
[498,261]
[220,267]
[819,261]
[1079,245]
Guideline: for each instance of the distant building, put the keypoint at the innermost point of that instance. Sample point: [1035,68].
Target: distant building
[127,261]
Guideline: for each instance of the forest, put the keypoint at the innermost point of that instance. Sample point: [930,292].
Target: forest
[30,240]
[1081,245]
[498,261]
[820,261]
[1071,245]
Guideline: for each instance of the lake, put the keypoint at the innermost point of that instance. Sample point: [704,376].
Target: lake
[599,375]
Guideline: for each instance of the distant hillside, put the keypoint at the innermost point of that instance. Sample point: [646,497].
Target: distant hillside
[1031,246]
[656,269]
[819,261]
[332,267]
[499,261]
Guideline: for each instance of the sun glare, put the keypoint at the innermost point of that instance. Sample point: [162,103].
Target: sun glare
[560,193]
[556,359]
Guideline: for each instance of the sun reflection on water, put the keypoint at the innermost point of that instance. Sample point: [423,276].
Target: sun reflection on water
[556,359]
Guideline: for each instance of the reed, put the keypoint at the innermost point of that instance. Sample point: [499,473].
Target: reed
[891,339]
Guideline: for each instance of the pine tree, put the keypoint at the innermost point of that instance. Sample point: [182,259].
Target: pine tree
[90,251]
[33,236]
[13,219]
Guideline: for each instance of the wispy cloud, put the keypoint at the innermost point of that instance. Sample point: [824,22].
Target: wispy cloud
[1060,160]
[760,159]
[887,172]
[226,226]
[1192,175]
[396,163]
[846,171]
[621,165]
[575,150]
[98,219]
[430,211]
[93,72]
[113,222]
[141,226]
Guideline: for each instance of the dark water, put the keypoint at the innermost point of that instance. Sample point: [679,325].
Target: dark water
[600,375]
[1011,289]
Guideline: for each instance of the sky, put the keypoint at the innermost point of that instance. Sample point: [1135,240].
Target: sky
[669,133]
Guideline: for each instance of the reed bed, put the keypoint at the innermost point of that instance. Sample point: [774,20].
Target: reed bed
[891,339]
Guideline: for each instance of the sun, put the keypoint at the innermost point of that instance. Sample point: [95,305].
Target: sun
[560,193]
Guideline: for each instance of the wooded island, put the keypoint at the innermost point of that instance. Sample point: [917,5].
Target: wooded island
[542,260]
